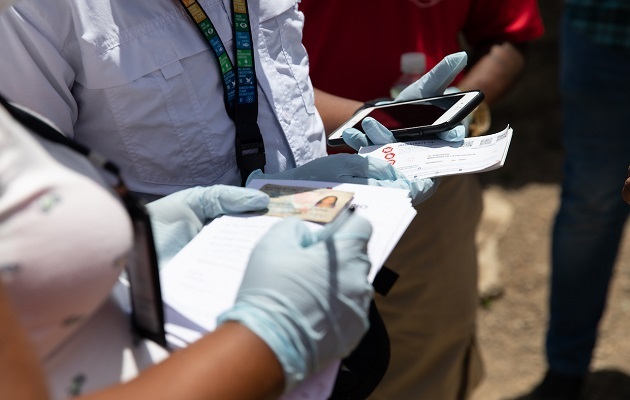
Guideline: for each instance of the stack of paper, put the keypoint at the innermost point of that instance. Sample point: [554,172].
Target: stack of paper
[433,158]
[389,211]
[202,280]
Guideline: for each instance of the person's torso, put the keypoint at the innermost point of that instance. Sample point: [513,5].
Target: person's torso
[149,92]
[356,54]
[64,241]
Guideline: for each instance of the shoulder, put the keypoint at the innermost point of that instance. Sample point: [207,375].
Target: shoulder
[271,8]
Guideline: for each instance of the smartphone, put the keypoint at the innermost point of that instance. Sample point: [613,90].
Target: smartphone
[410,120]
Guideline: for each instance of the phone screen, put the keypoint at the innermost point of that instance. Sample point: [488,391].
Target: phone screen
[409,120]
[407,115]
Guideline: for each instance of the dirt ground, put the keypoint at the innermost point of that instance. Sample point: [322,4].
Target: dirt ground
[511,327]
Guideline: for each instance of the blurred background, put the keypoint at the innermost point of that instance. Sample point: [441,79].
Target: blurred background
[520,203]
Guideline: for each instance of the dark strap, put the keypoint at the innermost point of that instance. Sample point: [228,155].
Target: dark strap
[240,87]
[362,371]
[384,280]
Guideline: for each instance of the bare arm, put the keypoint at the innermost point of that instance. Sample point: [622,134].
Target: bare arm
[230,363]
[21,377]
[334,110]
[495,72]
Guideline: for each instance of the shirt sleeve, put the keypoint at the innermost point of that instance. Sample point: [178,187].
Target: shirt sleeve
[515,21]
[46,78]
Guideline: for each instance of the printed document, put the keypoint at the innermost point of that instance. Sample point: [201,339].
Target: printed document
[202,280]
[433,158]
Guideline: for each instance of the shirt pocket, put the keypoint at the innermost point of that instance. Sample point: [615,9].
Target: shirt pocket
[164,93]
[281,28]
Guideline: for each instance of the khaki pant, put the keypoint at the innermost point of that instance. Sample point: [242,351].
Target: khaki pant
[431,310]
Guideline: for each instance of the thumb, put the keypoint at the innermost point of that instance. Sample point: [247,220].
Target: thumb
[434,82]
[376,132]
[355,232]
[356,229]
[291,232]
[351,251]
[355,138]
[217,200]
[456,134]
[422,189]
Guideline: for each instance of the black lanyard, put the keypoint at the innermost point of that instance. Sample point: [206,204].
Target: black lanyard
[240,89]
[147,314]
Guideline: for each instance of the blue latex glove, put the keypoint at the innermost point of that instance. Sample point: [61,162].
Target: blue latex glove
[178,217]
[433,83]
[420,189]
[308,301]
[353,168]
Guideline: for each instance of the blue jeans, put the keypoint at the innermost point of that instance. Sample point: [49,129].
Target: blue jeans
[595,84]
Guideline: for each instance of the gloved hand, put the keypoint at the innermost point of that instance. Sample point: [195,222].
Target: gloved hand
[433,83]
[178,217]
[353,168]
[308,301]
[420,189]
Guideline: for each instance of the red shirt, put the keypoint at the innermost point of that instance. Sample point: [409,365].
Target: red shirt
[354,46]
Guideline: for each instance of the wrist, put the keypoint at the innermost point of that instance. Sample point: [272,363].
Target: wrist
[271,322]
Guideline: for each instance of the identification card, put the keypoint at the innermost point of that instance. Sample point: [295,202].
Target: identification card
[316,205]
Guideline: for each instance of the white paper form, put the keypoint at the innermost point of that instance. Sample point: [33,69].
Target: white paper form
[389,210]
[433,158]
[202,280]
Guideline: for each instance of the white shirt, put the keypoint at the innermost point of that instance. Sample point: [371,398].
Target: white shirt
[135,81]
[59,260]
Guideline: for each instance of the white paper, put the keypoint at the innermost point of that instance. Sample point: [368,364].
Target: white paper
[389,210]
[433,158]
[202,280]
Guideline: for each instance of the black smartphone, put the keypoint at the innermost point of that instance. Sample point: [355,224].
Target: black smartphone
[410,120]
[147,312]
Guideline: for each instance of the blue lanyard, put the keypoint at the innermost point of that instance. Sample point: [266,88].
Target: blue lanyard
[240,94]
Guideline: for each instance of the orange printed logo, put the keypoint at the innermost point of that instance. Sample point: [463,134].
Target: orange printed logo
[240,6]
[389,155]
[197,13]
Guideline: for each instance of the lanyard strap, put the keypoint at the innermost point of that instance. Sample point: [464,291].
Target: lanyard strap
[240,93]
